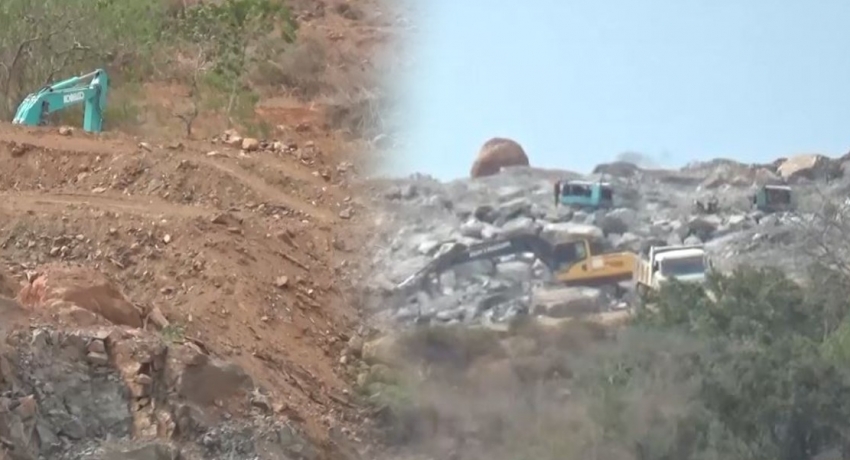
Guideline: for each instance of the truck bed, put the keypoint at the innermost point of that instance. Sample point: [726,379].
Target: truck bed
[643,272]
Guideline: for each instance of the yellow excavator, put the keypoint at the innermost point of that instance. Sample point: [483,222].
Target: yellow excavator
[574,261]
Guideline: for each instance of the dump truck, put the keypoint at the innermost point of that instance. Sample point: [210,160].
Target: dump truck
[584,195]
[773,198]
[686,263]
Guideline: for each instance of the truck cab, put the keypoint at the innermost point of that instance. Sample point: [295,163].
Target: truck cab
[684,263]
[773,198]
[584,194]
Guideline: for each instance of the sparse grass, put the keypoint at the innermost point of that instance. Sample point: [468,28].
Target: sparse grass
[756,371]
[173,333]
[155,47]
[359,114]
[123,111]
[463,383]
[452,347]
[299,69]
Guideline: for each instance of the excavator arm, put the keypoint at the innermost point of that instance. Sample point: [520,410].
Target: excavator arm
[64,94]
[461,254]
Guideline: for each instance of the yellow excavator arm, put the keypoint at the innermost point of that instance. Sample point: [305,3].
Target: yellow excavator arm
[578,261]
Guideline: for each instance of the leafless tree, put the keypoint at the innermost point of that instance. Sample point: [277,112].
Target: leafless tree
[197,66]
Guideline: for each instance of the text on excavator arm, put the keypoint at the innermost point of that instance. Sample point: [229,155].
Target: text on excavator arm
[61,95]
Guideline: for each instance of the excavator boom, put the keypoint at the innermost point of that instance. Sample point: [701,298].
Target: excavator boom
[66,93]
[572,262]
[461,254]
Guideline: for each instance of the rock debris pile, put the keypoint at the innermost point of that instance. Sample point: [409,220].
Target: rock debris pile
[76,382]
[421,216]
[84,393]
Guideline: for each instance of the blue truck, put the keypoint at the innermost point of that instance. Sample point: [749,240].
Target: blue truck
[584,194]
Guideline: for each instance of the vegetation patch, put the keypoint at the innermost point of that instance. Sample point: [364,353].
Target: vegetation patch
[757,369]
[206,58]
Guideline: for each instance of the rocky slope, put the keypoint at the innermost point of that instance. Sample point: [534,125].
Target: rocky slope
[82,393]
[224,253]
[419,216]
[168,296]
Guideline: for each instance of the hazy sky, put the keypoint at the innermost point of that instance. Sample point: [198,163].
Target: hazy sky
[578,81]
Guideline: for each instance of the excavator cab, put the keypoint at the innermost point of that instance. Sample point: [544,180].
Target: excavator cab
[585,262]
[773,198]
[589,195]
[35,108]
[567,253]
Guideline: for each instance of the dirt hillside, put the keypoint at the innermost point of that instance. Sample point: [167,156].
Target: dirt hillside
[238,246]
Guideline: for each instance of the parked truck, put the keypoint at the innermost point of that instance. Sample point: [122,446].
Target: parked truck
[584,195]
[773,198]
[684,263]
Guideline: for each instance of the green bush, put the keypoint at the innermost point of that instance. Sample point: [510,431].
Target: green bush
[757,370]
[768,379]
[209,45]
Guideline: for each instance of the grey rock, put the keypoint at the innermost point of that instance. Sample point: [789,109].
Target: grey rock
[692,240]
[560,231]
[472,228]
[654,208]
[516,271]
[566,302]
[408,192]
[558,214]
[151,451]
[703,227]
[428,247]
[520,225]
[505,194]
[627,241]
[612,224]
[485,213]
[511,210]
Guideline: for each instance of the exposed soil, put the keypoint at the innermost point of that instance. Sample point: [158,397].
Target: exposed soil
[244,253]
[250,266]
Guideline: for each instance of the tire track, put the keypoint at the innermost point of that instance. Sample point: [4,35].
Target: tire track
[46,202]
[271,193]
[47,140]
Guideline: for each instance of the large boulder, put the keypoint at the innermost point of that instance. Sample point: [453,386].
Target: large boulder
[807,166]
[496,154]
[60,286]
[566,302]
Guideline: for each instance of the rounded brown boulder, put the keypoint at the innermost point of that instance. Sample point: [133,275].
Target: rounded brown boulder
[496,154]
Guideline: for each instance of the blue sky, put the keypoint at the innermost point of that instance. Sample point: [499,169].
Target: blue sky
[577,82]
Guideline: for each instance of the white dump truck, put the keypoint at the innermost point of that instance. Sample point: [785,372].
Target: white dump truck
[684,263]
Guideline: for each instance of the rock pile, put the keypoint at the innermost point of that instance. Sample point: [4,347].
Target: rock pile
[422,216]
[81,378]
[105,391]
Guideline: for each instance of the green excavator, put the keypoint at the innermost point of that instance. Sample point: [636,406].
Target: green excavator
[89,89]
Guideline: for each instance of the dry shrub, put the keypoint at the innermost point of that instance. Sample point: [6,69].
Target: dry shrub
[478,393]
[299,68]
[451,347]
[359,115]
[349,11]
[566,336]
